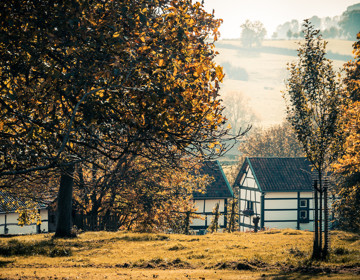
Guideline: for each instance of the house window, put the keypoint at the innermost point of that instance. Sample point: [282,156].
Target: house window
[303,203]
[249,210]
[303,211]
[303,214]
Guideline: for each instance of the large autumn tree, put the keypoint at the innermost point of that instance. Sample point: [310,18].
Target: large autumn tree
[347,167]
[313,98]
[83,79]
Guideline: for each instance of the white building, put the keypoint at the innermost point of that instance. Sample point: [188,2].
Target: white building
[278,190]
[9,223]
[217,192]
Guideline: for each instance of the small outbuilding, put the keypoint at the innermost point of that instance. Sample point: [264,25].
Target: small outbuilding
[218,191]
[279,191]
[9,223]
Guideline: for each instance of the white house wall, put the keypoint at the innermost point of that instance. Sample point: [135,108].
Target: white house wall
[281,215]
[44,214]
[248,180]
[249,191]
[14,228]
[278,225]
[199,222]
[287,204]
[2,220]
[211,203]
[281,195]
[281,210]
[205,209]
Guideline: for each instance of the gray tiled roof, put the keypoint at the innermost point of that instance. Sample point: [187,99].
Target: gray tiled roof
[219,187]
[6,200]
[279,174]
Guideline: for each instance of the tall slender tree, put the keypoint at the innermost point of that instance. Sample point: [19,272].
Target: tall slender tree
[313,99]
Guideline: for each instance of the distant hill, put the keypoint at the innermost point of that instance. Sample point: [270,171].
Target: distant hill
[258,75]
[353,7]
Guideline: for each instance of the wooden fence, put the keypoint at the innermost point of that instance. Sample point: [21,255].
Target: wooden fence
[93,223]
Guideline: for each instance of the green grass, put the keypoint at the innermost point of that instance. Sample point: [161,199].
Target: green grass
[283,253]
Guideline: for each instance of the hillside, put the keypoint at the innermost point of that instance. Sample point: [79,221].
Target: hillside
[271,254]
[259,73]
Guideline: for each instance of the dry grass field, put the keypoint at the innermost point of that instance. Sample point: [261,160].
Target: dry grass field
[259,74]
[275,254]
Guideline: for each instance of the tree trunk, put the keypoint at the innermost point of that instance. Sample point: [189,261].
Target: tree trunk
[326,221]
[316,251]
[321,214]
[64,203]
[187,223]
[232,216]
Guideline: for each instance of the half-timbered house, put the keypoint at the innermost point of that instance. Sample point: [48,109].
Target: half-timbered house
[218,191]
[278,190]
[9,223]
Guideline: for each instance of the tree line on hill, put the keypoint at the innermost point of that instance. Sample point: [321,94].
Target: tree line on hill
[344,26]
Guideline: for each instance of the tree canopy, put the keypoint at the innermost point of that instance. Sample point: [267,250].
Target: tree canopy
[81,75]
[84,79]
[275,141]
[347,166]
[313,97]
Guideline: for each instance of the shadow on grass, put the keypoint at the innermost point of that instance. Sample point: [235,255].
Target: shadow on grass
[21,248]
[296,276]
[5,263]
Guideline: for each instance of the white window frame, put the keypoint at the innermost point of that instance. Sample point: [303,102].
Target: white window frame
[305,216]
[305,201]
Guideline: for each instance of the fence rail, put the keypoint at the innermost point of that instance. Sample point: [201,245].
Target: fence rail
[93,223]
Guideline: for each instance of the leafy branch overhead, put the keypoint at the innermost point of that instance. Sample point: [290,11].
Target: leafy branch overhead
[108,76]
[86,80]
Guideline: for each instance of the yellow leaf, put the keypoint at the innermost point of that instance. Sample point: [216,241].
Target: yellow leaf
[210,117]
[199,70]
[116,34]
[161,62]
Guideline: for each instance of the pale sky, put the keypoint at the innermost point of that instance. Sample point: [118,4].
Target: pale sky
[271,12]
